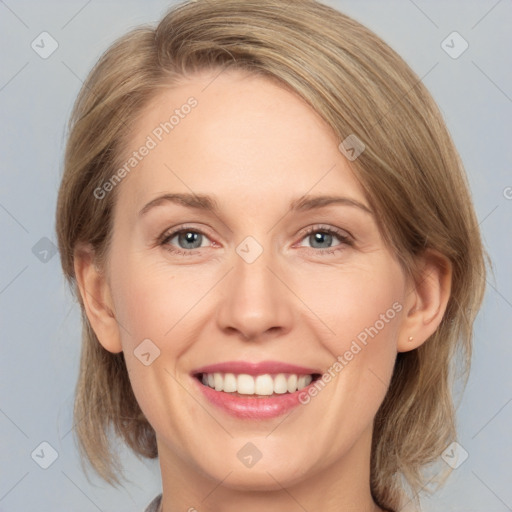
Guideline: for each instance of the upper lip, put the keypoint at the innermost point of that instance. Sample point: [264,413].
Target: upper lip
[261,368]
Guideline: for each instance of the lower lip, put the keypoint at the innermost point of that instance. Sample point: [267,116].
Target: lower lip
[254,407]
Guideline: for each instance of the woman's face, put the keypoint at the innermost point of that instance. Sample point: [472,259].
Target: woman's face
[264,271]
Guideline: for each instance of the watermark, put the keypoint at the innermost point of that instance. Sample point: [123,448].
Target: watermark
[146,352]
[249,455]
[249,249]
[44,250]
[507,192]
[454,45]
[355,347]
[351,147]
[151,142]
[455,455]
[44,45]
[44,455]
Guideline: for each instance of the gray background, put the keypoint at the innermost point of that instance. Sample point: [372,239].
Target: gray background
[40,322]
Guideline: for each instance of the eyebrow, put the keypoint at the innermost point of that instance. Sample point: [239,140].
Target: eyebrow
[204,202]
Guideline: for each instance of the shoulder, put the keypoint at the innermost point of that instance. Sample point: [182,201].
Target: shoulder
[154,505]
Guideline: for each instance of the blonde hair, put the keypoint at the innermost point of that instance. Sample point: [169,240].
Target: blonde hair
[410,171]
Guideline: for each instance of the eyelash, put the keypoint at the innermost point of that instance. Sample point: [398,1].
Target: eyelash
[164,239]
[343,238]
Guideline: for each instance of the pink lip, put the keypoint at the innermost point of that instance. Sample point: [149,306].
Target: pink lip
[261,368]
[253,407]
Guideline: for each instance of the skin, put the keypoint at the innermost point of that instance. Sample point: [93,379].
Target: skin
[255,147]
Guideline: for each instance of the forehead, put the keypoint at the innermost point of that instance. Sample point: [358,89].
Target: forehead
[233,134]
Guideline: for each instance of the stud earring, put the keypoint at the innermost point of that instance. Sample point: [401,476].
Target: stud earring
[411,338]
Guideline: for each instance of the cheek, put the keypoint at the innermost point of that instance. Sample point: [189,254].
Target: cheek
[355,301]
[361,312]
[155,303]
[152,300]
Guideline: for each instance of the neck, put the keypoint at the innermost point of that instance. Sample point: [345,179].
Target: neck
[331,486]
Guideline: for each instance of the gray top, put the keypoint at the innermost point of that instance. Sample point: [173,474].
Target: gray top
[154,506]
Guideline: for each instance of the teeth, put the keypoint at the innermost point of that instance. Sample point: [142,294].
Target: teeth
[292,383]
[218,381]
[264,385]
[280,384]
[230,383]
[260,385]
[245,384]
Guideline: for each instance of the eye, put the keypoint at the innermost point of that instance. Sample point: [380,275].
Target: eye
[184,240]
[324,239]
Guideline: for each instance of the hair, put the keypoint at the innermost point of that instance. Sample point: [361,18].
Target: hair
[410,171]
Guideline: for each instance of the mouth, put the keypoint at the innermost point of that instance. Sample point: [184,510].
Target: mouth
[255,390]
[256,386]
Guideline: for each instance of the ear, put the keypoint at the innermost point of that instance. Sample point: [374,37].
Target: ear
[426,301]
[95,291]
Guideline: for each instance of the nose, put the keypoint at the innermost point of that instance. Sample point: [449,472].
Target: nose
[255,304]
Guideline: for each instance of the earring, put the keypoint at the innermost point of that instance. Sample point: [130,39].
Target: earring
[411,338]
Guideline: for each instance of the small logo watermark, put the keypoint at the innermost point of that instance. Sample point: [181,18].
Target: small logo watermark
[351,147]
[44,455]
[249,455]
[455,455]
[146,352]
[44,45]
[44,250]
[249,249]
[454,45]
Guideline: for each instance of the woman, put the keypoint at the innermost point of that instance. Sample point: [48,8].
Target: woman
[273,244]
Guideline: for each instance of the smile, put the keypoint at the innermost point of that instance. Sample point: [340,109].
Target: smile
[249,390]
[260,385]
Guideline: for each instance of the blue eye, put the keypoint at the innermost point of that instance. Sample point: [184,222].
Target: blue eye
[186,240]
[189,239]
[319,238]
[183,241]
[322,239]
